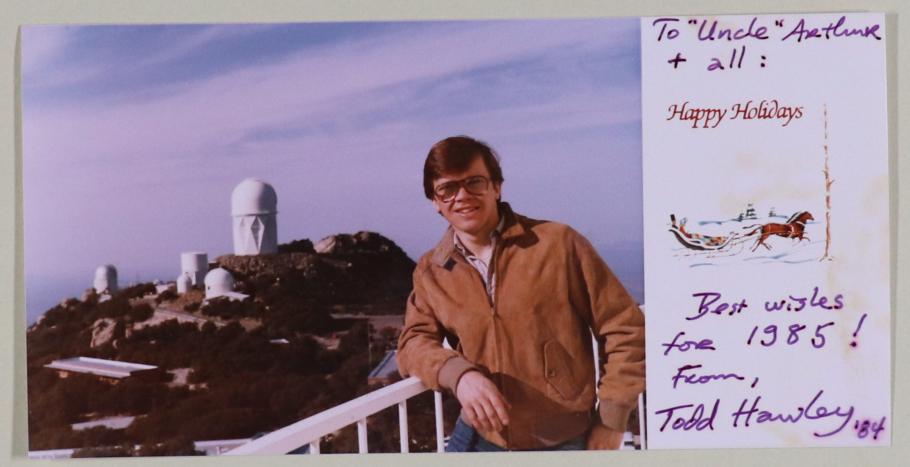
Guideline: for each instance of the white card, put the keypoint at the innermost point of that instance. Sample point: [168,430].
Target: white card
[768,302]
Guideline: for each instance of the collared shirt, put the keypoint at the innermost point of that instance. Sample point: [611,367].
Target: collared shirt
[483,265]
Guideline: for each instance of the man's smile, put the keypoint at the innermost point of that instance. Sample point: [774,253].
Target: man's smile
[466,210]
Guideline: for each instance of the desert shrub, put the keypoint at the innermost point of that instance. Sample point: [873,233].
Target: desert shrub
[169,331]
[287,318]
[356,339]
[140,312]
[227,423]
[58,436]
[125,450]
[177,446]
[133,396]
[165,296]
[116,307]
[300,246]
[226,308]
[101,436]
[136,291]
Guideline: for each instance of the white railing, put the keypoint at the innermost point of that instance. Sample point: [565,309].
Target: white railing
[311,430]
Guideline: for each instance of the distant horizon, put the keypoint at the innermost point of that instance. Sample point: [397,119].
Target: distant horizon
[134,136]
[45,293]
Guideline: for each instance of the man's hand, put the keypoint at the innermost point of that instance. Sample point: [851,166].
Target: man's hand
[603,438]
[482,404]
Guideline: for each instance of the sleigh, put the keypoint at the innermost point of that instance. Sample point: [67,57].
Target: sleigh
[694,241]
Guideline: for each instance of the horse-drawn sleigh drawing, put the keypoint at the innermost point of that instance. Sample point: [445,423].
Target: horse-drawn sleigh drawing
[794,227]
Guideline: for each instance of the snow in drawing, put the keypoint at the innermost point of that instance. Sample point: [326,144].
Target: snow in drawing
[749,237]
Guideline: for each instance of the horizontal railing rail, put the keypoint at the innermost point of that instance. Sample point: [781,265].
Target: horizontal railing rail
[311,430]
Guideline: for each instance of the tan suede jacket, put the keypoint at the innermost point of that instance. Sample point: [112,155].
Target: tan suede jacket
[534,339]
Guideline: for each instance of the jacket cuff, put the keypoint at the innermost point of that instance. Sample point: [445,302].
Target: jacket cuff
[614,416]
[451,372]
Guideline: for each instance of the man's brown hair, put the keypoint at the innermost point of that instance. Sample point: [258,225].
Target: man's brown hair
[455,154]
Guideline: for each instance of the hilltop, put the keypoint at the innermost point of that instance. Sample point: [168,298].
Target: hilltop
[229,369]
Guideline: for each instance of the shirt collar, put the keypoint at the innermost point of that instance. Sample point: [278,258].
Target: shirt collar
[511,226]
[497,231]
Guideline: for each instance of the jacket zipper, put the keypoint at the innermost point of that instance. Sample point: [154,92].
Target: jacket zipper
[497,249]
[491,300]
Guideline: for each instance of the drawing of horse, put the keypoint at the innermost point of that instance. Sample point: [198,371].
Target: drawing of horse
[794,228]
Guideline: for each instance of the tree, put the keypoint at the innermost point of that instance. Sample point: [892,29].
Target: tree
[828,182]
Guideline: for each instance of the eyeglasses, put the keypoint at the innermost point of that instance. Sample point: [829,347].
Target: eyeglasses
[476,185]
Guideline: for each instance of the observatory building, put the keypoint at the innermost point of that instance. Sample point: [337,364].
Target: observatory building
[254,207]
[220,283]
[194,264]
[184,283]
[105,279]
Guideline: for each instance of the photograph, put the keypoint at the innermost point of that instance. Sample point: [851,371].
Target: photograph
[333,237]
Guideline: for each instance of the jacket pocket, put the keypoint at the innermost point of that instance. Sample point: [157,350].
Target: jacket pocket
[558,371]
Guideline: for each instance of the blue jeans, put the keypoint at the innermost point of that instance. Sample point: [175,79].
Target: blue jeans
[466,439]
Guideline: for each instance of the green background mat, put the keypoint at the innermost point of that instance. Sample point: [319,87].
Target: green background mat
[13,13]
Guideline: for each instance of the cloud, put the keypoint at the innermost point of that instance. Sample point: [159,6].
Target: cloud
[44,53]
[185,44]
[42,45]
[65,58]
[164,149]
[193,117]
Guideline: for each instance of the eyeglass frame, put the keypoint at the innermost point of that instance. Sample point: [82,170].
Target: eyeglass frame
[459,184]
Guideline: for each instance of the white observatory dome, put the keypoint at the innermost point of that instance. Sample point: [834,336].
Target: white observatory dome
[254,208]
[218,282]
[105,279]
[253,197]
[184,283]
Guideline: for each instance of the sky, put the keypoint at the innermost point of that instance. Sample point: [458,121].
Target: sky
[134,136]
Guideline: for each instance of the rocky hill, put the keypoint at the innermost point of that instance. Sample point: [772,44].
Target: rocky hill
[227,369]
[364,272]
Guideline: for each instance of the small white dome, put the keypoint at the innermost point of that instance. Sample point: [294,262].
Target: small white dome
[253,197]
[218,281]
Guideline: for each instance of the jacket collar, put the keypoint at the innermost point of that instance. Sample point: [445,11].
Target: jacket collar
[512,227]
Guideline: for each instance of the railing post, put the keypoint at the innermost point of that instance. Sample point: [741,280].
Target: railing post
[403,425]
[642,421]
[440,435]
[362,435]
[314,446]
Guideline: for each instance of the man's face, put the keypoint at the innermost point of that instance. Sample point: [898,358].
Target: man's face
[473,214]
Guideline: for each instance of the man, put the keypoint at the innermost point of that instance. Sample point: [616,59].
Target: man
[519,299]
